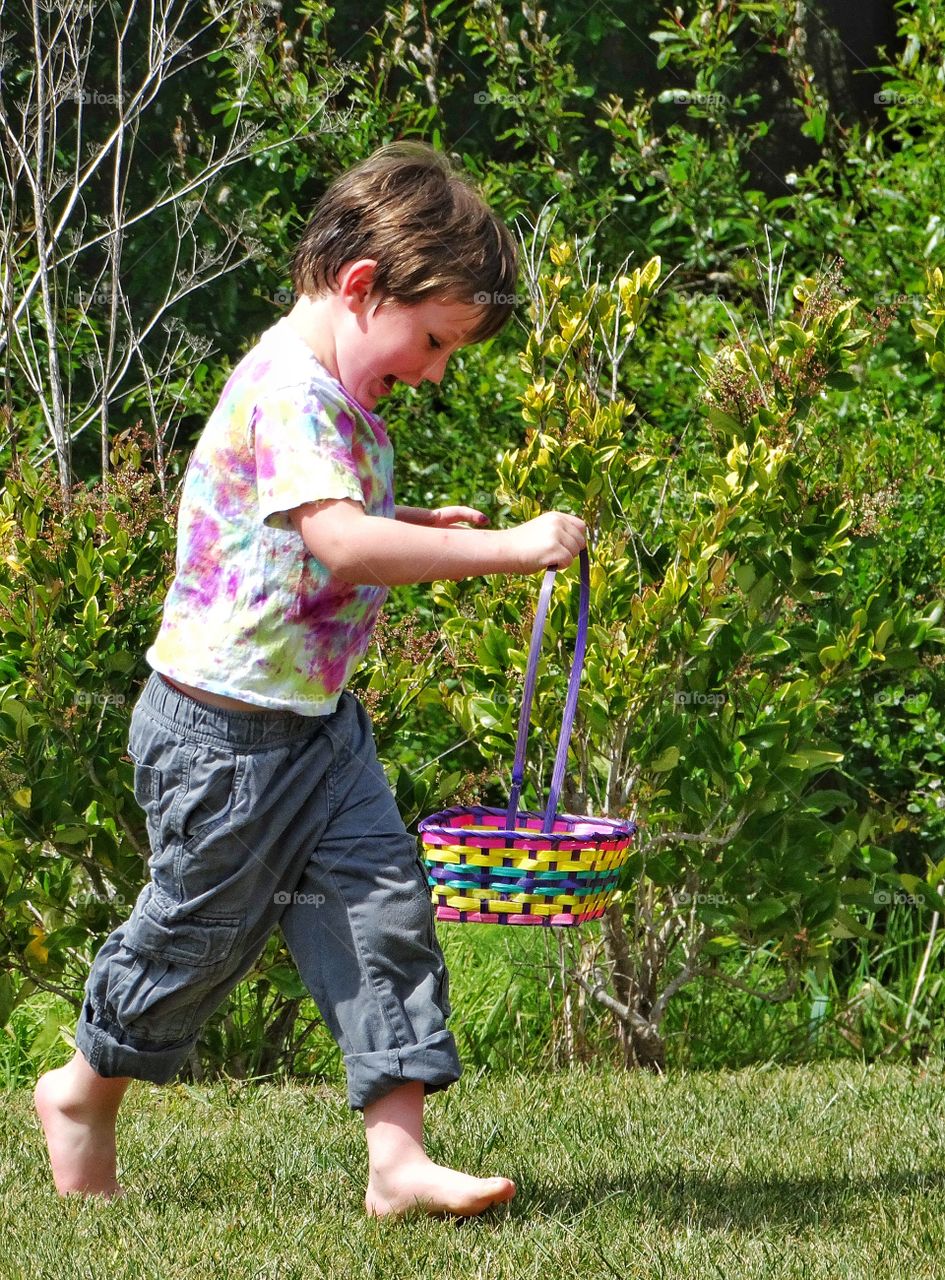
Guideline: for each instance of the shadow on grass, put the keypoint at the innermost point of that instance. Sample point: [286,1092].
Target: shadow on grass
[722,1201]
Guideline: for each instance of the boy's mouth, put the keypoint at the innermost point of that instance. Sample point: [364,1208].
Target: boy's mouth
[389,381]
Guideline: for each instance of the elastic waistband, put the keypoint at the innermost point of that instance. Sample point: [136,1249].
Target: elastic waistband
[244,730]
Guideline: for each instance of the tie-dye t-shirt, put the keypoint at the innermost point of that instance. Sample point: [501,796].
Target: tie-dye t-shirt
[251,614]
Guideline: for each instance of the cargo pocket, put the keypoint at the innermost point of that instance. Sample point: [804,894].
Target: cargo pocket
[214,777]
[180,970]
[148,782]
[205,856]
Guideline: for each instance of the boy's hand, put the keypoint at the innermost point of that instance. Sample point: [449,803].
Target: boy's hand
[443,517]
[551,540]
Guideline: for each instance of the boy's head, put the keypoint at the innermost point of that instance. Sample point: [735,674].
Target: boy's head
[415,262]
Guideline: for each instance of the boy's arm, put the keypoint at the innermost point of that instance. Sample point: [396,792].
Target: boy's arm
[360,548]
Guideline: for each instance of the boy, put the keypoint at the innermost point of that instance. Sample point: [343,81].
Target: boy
[266,805]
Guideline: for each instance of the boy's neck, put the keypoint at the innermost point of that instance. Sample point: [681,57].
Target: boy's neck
[312,320]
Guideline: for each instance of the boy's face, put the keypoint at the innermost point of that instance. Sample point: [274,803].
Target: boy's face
[379,341]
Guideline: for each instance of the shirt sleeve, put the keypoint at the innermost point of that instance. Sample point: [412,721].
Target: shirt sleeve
[301,455]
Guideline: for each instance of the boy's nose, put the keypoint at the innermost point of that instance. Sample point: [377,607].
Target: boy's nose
[434,371]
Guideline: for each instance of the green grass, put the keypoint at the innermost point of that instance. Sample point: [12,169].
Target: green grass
[819,1171]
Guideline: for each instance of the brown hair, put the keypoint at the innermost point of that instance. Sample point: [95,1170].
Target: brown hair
[430,232]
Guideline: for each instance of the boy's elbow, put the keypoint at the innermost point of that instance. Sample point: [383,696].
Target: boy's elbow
[329,535]
[331,555]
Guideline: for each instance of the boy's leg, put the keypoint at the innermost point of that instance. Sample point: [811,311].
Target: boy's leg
[360,928]
[402,1176]
[78,1108]
[221,803]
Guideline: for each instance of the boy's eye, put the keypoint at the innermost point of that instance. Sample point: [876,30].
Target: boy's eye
[433,342]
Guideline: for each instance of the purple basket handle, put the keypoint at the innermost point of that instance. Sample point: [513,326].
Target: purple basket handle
[570,706]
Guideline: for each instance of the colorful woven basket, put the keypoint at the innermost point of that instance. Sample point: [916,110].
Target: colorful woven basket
[500,866]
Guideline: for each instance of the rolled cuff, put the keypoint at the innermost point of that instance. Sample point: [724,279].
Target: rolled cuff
[435,1061]
[107,1051]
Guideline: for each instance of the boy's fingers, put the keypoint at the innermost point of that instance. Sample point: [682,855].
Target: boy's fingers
[462,515]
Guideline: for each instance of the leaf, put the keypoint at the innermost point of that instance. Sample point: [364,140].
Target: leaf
[724,942]
[800,336]
[724,421]
[18,713]
[47,1035]
[286,981]
[811,758]
[650,273]
[70,835]
[768,645]
[36,951]
[7,998]
[876,859]
[826,801]
[814,127]
[766,910]
[666,760]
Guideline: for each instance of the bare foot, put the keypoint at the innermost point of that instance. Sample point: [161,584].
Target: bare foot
[435,1189]
[79,1134]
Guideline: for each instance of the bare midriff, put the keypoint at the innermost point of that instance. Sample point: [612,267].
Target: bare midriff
[211,699]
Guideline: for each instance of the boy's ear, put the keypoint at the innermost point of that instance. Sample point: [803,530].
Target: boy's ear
[356,282]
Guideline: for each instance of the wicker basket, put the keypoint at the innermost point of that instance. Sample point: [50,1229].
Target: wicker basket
[502,866]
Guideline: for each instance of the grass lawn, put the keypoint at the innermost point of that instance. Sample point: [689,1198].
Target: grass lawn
[833,1172]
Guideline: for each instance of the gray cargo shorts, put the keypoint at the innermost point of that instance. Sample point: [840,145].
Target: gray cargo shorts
[259,819]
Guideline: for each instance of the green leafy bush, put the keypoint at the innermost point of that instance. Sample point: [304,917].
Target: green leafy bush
[722,627]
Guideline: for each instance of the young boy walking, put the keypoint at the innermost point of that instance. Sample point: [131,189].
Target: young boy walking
[265,802]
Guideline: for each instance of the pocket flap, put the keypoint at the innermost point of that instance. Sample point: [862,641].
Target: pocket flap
[197,939]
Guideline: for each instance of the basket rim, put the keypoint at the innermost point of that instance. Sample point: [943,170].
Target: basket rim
[608,828]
